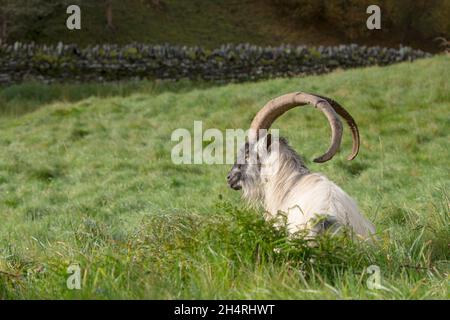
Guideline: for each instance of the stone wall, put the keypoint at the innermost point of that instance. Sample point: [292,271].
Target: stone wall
[229,63]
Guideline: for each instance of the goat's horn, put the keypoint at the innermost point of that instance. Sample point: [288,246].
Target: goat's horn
[276,107]
[351,123]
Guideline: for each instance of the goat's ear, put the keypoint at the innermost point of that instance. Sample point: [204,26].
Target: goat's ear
[268,142]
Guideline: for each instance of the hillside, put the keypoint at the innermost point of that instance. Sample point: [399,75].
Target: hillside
[86,177]
[200,22]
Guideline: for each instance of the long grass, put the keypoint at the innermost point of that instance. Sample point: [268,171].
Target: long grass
[86,177]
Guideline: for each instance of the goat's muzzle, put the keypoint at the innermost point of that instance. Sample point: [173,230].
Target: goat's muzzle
[233,180]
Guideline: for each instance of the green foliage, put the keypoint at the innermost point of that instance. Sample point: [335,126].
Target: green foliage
[24,17]
[87,178]
[423,18]
[428,18]
[213,23]
[148,21]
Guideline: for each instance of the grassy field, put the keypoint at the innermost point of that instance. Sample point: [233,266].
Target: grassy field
[179,22]
[86,177]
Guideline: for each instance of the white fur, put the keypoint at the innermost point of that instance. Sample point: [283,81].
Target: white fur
[288,187]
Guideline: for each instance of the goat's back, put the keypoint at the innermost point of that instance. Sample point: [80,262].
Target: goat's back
[315,195]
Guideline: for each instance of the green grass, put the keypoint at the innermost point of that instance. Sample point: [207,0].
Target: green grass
[177,21]
[87,178]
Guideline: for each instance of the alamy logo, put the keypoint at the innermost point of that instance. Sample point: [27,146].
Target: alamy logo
[74,280]
[73,21]
[212,146]
[374,280]
[374,20]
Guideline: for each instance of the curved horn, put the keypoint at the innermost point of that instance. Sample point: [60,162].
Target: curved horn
[351,123]
[276,107]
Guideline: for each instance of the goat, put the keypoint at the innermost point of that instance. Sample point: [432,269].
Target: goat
[271,173]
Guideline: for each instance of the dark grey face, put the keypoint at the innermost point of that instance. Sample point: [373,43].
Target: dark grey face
[246,172]
[237,172]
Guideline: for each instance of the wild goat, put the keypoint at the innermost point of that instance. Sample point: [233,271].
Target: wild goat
[279,179]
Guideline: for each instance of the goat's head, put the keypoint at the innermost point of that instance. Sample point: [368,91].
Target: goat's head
[259,149]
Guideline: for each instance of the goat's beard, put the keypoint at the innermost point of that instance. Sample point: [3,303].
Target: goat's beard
[252,192]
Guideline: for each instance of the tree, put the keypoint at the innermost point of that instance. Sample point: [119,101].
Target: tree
[424,19]
[109,14]
[6,10]
[21,16]
[109,10]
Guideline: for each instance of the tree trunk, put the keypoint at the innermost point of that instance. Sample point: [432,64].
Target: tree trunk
[109,14]
[3,28]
